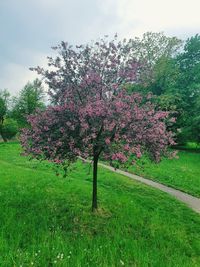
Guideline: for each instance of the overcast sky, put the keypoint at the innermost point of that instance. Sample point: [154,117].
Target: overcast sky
[28,28]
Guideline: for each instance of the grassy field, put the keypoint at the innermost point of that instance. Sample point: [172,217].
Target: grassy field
[45,220]
[182,173]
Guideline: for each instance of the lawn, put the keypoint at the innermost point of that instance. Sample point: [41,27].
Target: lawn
[182,173]
[45,220]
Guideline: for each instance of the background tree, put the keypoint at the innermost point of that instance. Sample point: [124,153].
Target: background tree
[155,51]
[92,113]
[188,84]
[30,98]
[8,127]
[173,75]
[4,97]
[159,71]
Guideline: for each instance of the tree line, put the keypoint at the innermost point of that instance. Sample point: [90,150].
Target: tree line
[14,110]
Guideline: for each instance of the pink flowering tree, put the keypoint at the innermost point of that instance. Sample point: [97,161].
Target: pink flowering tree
[91,112]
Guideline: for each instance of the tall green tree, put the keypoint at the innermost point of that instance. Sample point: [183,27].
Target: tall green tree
[4,98]
[30,98]
[188,84]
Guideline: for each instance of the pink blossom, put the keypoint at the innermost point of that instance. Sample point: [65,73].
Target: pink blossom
[172,119]
[107,141]
[119,156]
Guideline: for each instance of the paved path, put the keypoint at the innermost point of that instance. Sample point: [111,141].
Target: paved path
[192,202]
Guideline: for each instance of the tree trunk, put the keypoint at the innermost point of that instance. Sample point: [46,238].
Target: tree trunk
[94,193]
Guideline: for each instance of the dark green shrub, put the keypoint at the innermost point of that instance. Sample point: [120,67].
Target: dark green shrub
[8,129]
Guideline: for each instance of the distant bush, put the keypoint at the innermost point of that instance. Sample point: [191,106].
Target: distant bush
[8,129]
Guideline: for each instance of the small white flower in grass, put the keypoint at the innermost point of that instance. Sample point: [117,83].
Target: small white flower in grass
[122,263]
[32,263]
[68,256]
[55,261]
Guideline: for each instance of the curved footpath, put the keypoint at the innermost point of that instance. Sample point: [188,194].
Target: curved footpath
[192,202]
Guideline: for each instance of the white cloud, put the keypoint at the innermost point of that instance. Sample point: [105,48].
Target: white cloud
[137,17]
[16,75]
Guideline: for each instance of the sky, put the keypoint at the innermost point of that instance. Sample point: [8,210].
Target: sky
[29,28]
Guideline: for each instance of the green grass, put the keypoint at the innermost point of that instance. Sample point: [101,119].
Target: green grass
[182,173]
[46,220]
[190,147]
